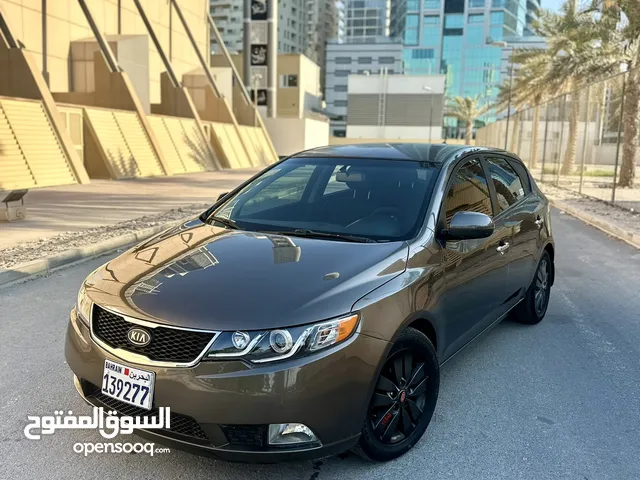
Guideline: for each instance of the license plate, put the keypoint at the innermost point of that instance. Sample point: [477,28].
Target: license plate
[128,384]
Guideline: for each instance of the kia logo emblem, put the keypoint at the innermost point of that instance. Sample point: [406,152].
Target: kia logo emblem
[138,337]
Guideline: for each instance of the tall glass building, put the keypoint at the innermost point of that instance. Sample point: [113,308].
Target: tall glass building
[454,37]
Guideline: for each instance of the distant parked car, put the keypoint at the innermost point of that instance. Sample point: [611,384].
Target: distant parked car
[308,312]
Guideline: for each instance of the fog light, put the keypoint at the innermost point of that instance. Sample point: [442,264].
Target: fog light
[290,434]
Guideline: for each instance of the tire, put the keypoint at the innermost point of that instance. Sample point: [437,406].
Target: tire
[403,404]
[533,308]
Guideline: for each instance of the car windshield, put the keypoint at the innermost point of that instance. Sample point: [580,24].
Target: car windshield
[382,200]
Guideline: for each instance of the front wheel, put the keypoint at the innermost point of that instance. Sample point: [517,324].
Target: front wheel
[534,306]
[404,399]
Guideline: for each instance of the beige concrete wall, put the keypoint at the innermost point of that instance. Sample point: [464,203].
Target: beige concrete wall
[65,23]
[291,100]
[292,135]
[347,140]
[197,83]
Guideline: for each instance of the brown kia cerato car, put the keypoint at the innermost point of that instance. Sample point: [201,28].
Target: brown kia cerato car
[308,311]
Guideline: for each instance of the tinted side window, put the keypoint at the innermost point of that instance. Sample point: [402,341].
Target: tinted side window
[522,173]
[506,182]
[469,191]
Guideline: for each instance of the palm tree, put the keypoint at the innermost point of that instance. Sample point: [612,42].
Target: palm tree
[530,89]
[571,45]
[467,110]
[582,47]
[623,17]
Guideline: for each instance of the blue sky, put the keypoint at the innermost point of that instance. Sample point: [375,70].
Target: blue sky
[552,4]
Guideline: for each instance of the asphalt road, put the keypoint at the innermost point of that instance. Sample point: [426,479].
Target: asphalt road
[554,401]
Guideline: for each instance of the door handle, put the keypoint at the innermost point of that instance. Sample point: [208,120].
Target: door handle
[503,248]
[539,222]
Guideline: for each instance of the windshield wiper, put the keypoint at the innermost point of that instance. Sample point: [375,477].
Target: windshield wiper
[302,232]
[227,222]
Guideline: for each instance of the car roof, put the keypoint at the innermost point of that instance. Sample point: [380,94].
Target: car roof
[424,152]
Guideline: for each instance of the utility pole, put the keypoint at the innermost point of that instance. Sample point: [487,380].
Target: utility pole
[272,56]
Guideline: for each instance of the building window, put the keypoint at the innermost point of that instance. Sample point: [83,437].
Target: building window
[497,18]
[342,73]
[476,3]
[364,60]
[497,3]
[454,20]
[431,20]
[343,60]
[496,33]
[386,60]
[475,35]
[413,5]
[431,36]
[340,88]
[422,53]
[476,18]
[411,30]
[339,103]
[287,81]
[431,4]
[340,133]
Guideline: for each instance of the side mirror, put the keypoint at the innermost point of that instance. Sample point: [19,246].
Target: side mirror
[222,195]
[469,225]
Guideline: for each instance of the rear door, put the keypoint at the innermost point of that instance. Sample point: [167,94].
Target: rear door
[517,212]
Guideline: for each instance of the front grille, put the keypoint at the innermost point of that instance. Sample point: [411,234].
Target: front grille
[167,344]
[180,424]
[245,435]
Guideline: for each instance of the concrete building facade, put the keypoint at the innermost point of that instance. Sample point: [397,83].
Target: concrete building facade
[108,85]
[299,92]
[48,34]
[228,16]
[395,106]
[345,59]
[454,38]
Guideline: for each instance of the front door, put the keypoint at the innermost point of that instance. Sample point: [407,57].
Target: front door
[476,271]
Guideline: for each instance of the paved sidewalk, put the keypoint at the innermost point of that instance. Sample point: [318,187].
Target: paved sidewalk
[70,208]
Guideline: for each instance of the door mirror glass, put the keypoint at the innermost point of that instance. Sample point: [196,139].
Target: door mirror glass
[469,225]
[222,195]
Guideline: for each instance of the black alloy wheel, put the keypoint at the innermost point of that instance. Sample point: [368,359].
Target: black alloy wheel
[534,305]
[542,287]
[403,400]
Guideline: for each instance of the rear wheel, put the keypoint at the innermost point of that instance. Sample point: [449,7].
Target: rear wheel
[404,399]
[534,306]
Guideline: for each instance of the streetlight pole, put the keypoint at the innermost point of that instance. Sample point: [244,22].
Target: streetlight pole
[246,44]
[506,137]
[429,89]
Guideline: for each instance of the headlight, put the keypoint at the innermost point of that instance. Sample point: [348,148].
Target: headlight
[272,345]
[83,305]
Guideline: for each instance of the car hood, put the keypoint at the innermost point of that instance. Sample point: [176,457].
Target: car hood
[200,276]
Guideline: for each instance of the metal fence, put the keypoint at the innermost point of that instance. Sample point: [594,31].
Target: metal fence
[575,141]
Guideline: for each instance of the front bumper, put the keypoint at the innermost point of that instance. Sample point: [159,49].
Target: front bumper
[222,408]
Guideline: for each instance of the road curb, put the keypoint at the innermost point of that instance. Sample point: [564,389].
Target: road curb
[45,266]
[597,222]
